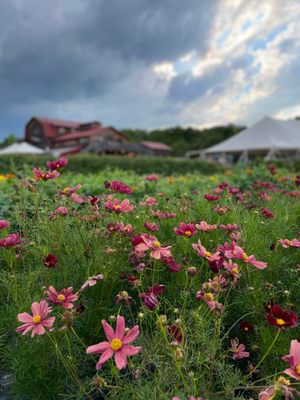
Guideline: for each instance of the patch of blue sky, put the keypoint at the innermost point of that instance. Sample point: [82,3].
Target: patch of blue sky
[222,36]
[182,67]
[261,43]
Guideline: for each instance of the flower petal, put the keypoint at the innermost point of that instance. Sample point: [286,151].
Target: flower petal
[132,335]
[130,350]
[109,332]
[105,356]
[120,359]
[120,327]
[24,317]
[98,348]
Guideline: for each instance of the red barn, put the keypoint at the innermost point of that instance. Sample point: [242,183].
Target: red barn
[68,135]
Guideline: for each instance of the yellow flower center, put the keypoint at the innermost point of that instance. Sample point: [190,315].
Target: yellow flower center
[298,369]
[156,244]
[280,321]
[116,344]
[235,270]
[61,297]
[245,256]
[187,233]
[207,254]
[36,319]
[209,296]
[289,242]
[117,207]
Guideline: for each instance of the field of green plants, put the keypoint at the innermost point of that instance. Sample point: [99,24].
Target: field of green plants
[118,285]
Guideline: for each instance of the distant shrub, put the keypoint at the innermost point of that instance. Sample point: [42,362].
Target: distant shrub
[92,163]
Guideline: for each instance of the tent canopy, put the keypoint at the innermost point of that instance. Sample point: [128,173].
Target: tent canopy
[21,148]
[267,134]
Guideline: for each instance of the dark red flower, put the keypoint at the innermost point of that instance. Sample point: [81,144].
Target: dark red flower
[57,164]
[281,318]
[246,326]
[118,186]
[176,333]
[267,213]
[50,261]
[211,197]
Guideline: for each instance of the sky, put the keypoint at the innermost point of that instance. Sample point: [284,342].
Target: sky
[149,64]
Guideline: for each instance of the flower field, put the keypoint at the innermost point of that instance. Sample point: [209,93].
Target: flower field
[116,285]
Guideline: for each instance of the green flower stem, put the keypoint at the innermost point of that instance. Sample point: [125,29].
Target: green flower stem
[264,356]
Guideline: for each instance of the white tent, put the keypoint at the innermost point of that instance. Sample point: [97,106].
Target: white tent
[267,137]
[21,148]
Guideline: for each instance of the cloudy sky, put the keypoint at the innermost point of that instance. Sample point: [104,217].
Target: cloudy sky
[149,63]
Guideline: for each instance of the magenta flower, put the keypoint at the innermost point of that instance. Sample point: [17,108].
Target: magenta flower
[150,297]
[65,297]
[91,282]
[209,299]
[58,164]
[238,350]
[205,227]
[11,240]
[229,227]
[117,206]
[238,253]
[202,252]
[187,230]
[293,358]
[118,186]
[267,213]
[289,243]
[50,261]
[67,191]
[118,344]
[40,175]
[211,197]
[38,321]
[4,224]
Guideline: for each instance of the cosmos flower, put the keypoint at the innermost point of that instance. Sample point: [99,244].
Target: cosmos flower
[50,261]
[280,318]
[38,321]
[11,240]
[156,250]
[211,197]
[64,298]
[205,227]
[151,178]
[118,186]
[58,164]
[239,254]
[117,344]
[187,230]
[59,211]
[238,350]
[293,358]
[40,175]
[4,224]
[150,201]
[117,206]
[289,243]
[91,282]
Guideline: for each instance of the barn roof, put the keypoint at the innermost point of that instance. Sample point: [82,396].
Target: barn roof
[156,145]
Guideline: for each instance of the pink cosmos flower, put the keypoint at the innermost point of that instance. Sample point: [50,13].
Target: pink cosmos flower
[64,298]
[151,243]
[151,226]
[221,210]
[152,178]
[118,186]
[59,211]
[209,299]
[117,206]
[58,164]
[187,230]
[233,269]
[150,297]
[229,227]
[76,198]
[205,227]
[94,200]
[293,358]
[150,201]
[38,174]
[202,252]
[11,240]
[91,282]
[117,344]
[38,321]
[281,386]
[238,350]
[4,224]
[162,214]
[289,243]
[239,253]
[67,191]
